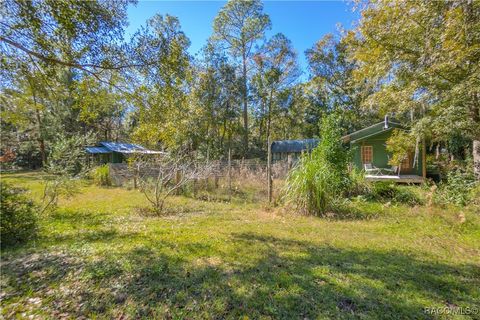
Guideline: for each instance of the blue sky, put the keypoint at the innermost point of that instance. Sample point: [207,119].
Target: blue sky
[303,22]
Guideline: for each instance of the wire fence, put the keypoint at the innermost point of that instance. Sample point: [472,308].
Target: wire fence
[245,179]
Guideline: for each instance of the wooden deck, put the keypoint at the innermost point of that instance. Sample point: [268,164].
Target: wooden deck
[404,178]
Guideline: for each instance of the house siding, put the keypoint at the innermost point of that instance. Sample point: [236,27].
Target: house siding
[380,153]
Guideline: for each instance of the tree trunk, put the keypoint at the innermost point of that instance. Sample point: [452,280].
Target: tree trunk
[41,141]
[245,104]
[269,116]
[476,158]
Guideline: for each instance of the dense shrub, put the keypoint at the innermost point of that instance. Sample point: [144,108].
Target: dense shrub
[358,185]
[390,191]
[320,180]
[18,217]
[101,175]
[458,188]
[67,155]
[66,164]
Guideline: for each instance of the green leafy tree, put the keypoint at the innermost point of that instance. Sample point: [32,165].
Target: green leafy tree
[18,216]
[277,70]
[333,86]
[66,164]
[239,25]
[400,145]
[216,99]
[423,64]
[77,34]
[161,96]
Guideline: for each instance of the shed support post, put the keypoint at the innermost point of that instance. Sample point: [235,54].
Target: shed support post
[424,160]
[269,170]
[229,174]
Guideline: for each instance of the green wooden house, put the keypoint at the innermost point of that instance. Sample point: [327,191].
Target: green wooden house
[370,154]
[369,147]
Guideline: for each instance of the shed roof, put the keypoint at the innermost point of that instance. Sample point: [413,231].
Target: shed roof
[294,145]
[120,147]
[97,150]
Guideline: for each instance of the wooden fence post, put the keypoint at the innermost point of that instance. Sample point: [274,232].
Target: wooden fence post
[269,171]
[177,181]
[217,166]
[229,174]
[135,177]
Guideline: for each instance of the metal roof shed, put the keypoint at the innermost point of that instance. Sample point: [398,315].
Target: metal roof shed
[293,146]
[115,152]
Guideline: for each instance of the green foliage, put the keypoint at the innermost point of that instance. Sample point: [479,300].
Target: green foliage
[160,50]
[422,65]
[101,175]
[277,69]
[78,34]
[332,82]
[390,191]
[459,188]
[287,267]
[400,144]
[358,185]
[320,180]
[18,216]
[238,26]
[66,164]
[67,156]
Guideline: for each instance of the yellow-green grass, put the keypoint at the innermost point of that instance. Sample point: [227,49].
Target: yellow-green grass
[98,256]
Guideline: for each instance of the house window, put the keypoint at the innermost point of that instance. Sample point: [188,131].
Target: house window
[367,154]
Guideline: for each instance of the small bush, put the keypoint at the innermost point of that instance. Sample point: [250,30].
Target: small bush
[18,216]
[101,175]
[383,190]
[389,191]
[459,188]
[358,185]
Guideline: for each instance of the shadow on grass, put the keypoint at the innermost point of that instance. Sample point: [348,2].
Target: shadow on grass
[281,279]
[24,176]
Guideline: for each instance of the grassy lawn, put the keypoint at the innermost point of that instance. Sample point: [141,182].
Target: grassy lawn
[100,257]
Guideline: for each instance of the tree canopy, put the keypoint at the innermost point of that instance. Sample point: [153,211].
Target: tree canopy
[68,67]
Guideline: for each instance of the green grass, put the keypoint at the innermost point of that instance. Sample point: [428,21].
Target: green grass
[98,257]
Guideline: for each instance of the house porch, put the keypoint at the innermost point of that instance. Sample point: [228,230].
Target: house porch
[403,178]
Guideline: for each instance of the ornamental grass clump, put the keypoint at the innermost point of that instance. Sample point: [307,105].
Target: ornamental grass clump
[319,182]
[101,175]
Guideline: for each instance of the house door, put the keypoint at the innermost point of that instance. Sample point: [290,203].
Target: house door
[406,166]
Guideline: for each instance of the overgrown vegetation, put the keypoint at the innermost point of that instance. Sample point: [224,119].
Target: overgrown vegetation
[71,76]
[401,144]
[95,257]
[65,167]
[390,191]
[18,216]
[458,188]
[322,181]
[242,88]
[321,178]
[161,177]
[101,175]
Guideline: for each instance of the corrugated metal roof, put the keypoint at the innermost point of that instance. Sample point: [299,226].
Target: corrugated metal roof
[97,150]
[294,145]
[120,147]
